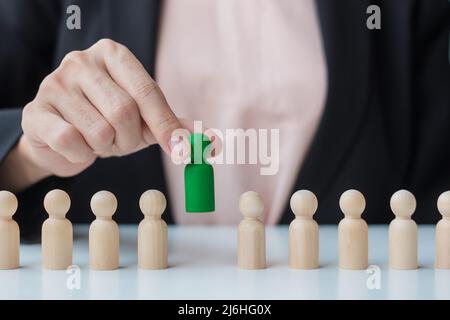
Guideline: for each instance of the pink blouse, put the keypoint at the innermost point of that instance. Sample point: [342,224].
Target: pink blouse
[243,64]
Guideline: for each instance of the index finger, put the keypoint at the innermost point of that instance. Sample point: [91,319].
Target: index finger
[126,70]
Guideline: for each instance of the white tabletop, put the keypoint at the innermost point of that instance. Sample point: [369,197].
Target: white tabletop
[203,266]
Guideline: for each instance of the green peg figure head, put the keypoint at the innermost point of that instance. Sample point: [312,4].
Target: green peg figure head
[199,145]
[199,177]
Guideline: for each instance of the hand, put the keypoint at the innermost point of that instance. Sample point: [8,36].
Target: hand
[99,102]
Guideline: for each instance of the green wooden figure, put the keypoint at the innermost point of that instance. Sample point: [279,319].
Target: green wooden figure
[199,177]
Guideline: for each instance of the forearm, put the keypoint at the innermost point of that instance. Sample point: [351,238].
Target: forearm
[17,171]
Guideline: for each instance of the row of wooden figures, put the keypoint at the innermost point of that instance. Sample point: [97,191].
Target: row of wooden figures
[352,232]
[57,234]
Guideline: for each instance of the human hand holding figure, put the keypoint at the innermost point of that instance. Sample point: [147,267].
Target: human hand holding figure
[100,102]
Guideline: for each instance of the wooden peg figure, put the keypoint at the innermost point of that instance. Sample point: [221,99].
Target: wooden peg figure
[303,232]
[57,234]
[152,231]
[251,232]
[9,232]
[443,232]
[403,232]
[104,233]
[353,232]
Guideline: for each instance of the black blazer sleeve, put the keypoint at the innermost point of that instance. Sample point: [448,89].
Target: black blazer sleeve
[28,30]
[10,130]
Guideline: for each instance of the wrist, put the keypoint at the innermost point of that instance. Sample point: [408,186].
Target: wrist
[19,171]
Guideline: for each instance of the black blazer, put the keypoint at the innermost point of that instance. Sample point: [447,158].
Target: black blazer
[386,123]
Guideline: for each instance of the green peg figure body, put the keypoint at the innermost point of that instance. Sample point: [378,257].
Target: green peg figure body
[199,177]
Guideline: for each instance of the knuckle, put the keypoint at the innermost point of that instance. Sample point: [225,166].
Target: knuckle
[27,109]
[72,64]
[51,82]
[64,137]
[166,124]
[74,57]
[123,110]
[123,54]
[101,135]
[107,44]
[101,81]
[144,88]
